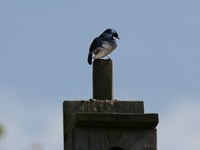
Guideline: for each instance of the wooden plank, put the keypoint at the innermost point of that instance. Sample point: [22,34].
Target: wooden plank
[117,120]
[106,106]
[97,138]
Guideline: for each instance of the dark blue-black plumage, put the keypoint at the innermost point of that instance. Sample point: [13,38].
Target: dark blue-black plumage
[103,45]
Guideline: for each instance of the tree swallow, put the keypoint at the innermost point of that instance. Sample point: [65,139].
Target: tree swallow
[103,45]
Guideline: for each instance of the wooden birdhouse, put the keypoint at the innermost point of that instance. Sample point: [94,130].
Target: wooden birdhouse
[103,123]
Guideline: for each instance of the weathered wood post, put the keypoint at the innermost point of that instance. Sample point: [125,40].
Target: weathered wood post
[103,79]
[106,124]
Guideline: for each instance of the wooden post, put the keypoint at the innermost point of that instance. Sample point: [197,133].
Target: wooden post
[107,124]
[103,79]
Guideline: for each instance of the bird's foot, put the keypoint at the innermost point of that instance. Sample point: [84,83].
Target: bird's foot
[109,59]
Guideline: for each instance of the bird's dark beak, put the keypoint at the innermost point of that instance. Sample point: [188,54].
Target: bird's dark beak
[116,37]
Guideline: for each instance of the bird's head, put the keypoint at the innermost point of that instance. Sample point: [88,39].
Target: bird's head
[112,32]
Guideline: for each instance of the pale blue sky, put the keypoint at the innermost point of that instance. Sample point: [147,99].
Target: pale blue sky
[43,61]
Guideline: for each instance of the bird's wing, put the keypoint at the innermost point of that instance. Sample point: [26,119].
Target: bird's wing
[97,42]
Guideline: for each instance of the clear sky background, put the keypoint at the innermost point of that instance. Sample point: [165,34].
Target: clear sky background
[43,61]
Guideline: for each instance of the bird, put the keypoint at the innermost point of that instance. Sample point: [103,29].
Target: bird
[103,45]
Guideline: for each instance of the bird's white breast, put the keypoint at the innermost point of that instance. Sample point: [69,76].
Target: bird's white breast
[105,50]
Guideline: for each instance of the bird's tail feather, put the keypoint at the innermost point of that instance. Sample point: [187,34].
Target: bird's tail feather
[90,58]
